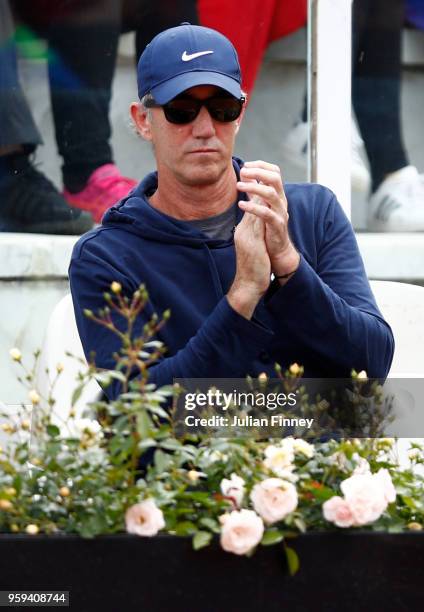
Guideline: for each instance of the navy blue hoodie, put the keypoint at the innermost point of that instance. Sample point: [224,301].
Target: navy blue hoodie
[325,317]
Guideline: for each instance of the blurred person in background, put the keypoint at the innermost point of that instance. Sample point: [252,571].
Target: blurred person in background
[397,193]
[82,44]
[396,199]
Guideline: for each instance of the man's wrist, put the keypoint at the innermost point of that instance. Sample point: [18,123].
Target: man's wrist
[286,264]
[243,299]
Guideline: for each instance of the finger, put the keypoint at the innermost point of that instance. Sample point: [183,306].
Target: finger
[268,194]
[268,177]
[263,212]
[259,163]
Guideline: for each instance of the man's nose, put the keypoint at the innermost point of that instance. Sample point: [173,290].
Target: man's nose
[203,125]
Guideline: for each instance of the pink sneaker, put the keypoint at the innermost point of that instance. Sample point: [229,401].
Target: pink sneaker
[105,187]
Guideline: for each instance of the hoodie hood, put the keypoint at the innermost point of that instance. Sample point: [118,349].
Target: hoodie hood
[137,215]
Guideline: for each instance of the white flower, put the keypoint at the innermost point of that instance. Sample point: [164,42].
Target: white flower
[336,510]
[233,487]
[415,454]
[280,458]
[16,354]
[88,430]
[339,459]
[212,456]
[303,447]
[144,519]
[365,496]
[362,465]
[386,483]
[274,499]
[241,531]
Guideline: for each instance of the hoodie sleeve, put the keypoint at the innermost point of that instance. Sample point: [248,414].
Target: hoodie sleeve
[329,309]
[224,346]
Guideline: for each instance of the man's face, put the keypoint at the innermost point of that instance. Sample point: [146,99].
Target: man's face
[196,153]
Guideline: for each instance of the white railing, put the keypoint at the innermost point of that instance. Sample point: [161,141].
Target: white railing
[329,92]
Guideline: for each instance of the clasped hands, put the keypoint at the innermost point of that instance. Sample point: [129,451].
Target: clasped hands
[261,239]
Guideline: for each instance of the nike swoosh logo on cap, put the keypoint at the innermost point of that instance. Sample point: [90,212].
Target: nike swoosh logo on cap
[186,57]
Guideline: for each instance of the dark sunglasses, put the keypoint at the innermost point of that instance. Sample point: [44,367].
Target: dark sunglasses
[184,109]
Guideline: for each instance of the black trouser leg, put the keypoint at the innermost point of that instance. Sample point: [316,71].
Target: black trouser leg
[376,83]
[83,37]
[17,125]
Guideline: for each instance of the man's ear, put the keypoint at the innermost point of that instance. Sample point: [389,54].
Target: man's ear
[141,119]
[240,119]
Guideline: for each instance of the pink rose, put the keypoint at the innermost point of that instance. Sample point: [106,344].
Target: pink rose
[365,497]
[336,510]
[144,519]
[274,499]
[385,481]
[241,531]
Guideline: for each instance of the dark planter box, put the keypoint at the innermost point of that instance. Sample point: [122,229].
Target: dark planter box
[339,571]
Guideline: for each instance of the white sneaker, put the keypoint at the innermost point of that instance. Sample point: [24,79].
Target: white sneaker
[295,149]
[398,203]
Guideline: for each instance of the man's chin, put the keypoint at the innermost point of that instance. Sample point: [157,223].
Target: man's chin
[203,174]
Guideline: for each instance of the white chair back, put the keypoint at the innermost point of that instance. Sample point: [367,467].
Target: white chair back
[61,337]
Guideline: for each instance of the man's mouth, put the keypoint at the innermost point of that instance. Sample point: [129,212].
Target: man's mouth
[204,150]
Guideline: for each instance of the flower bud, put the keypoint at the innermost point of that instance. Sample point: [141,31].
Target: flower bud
[32,529]
[5,505]
[11,491]
[262,378]
[16,354]
[193,475]
[34,397]
[14,528]
[116,287]
[362,375]
[59,367]
[414,526]
[64,492]
[295,369]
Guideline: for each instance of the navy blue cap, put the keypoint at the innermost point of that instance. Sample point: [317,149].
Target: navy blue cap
[185,56]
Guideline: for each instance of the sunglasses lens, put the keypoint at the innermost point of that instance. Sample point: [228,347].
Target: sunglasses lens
[181,110]
[224,109]
[184,110]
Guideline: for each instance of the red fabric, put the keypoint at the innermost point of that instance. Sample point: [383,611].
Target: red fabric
[251,25]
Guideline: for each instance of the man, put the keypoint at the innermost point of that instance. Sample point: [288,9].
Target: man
[288,286]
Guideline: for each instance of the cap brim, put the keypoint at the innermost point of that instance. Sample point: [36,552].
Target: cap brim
[168,90]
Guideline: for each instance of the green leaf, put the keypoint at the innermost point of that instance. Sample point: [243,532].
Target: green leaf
[408,501]
[210,524]
[162,460]
[300,524]
[53,431]
[201,539]
[144,425]
[146,443]
[76,394]
[171,444]
[292,560]
[271,536]
[185,528]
